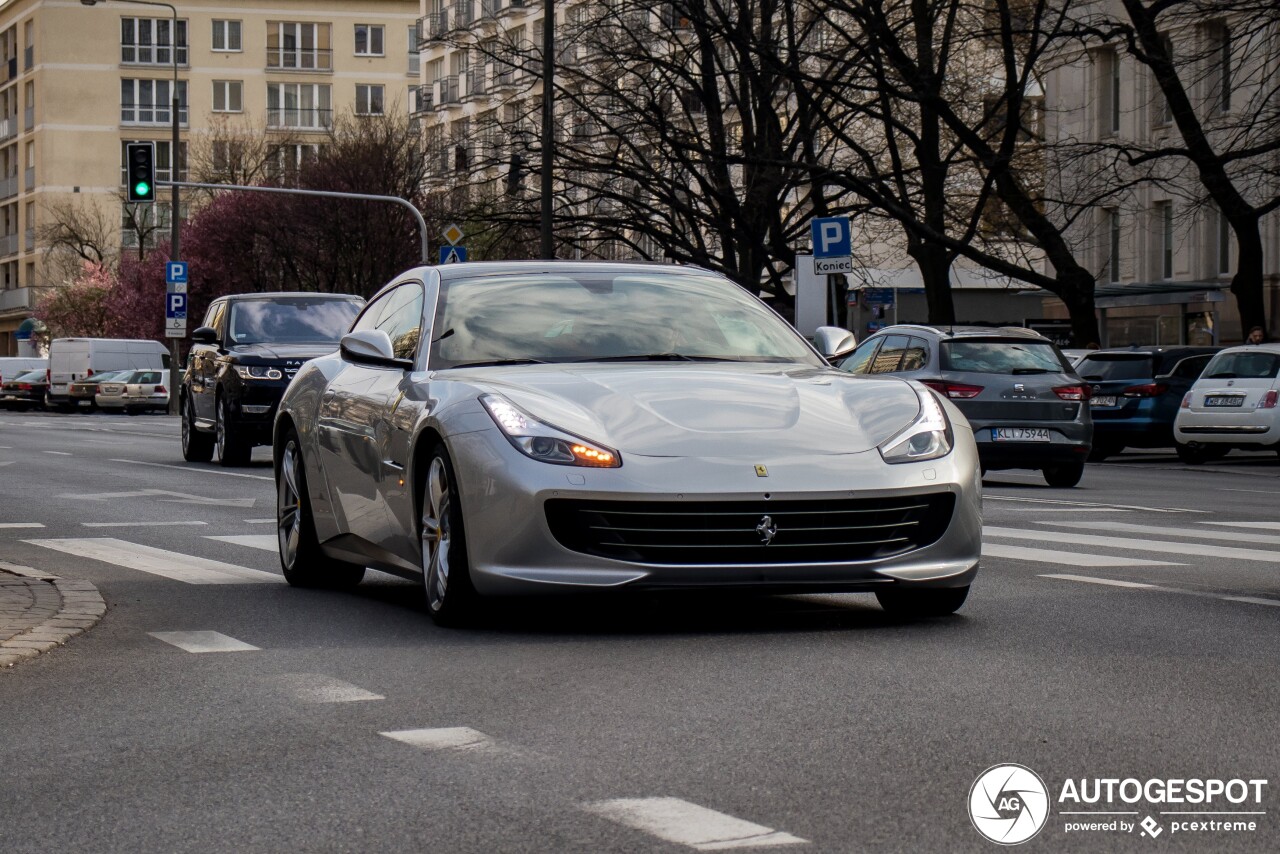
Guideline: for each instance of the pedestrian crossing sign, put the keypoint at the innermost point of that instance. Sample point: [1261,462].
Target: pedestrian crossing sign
[453,254]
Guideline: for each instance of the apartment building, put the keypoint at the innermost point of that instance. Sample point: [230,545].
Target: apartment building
[1162,253]
[79,81]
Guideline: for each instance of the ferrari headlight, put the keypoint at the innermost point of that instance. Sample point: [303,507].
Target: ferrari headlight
[541,441]
[258,372]
[926,438]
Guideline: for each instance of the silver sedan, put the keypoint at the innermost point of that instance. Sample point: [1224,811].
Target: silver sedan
[528,427]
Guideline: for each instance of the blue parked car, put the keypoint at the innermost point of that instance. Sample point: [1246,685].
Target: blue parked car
[1136,394]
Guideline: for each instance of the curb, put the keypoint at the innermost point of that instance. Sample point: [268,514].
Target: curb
[82,607]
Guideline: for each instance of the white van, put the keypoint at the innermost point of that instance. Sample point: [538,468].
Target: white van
[11,366]
[72,359]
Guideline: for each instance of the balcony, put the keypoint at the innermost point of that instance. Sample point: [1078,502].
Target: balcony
[423,100]
[8,128]
[30,178]
[299,118]
[29,118]
[463,14]
[447,91]
[514,6]
[436,25]
[9,186]
[313,60]
[9,245]
[477,86]
[489,11]
[30,240]
[16,299]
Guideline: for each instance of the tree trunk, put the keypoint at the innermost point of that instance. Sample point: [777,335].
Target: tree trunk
[935,269]
[1077,293]
[1246,284]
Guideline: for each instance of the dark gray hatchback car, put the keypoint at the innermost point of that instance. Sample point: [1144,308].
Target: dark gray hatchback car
[1027,406]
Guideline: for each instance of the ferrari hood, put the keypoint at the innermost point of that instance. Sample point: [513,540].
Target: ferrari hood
[722,409]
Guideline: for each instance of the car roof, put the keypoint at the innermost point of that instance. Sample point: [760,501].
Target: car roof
[1270,347]
[496,268]
[279,294]
[1179,349]
[952,332]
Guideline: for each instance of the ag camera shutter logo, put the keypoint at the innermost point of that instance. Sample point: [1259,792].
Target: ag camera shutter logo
[1008,804]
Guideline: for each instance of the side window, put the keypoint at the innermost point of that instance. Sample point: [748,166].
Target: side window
[403,321]
[1191,367]
[916,355]
[890,355]
[859,359]
[374,311]
[211,316]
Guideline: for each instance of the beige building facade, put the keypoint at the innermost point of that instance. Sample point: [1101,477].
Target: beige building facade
[79,81]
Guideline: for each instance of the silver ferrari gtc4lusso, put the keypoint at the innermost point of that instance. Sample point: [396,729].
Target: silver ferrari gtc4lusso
[529,427]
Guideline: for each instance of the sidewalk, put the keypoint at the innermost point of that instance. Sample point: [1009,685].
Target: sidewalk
[39,611]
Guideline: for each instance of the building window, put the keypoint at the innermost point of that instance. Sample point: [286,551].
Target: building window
[1111,221]
[1218,78]
[369,40]
[288,159]
[415,57]
[1107,69]
[227,156]
[164,163]
[295,46]
[226,36]
[227,96]
[304,106]
[1164,240]
[1160,104]
[368,100]
[1222,235]
[150,102]
[149,41]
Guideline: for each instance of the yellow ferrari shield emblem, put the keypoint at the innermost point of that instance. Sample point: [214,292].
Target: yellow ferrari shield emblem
[761,471]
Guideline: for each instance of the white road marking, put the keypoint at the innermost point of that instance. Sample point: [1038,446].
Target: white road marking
[319,688]
[445,738]
[137,524]
[1089,504]
[1110,582]
[21,525]
[1126,527]
[266,542]
[1135,544]
[203,641]
[684,823]
[174,498]
[191,469]
[1065,558]
[1265,526]
[57,453]
[1253,491]
[167,564]
[259,521]
[1253,600]
[8,463]
[1066,510]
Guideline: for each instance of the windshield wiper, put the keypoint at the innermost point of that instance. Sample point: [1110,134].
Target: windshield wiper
[1024,371]
[493,362]
[650,357]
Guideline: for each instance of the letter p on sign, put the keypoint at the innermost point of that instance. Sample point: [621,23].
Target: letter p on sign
[831,237]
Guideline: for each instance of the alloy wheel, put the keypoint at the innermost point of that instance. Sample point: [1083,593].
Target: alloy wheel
[436,535]
[288,515]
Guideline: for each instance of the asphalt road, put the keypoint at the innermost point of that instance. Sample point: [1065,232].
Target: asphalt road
[1128,628]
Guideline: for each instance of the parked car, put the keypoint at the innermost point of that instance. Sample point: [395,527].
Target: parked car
[1027,407]
[522,427]
[243,356]
[1136,392]
[72,359]
[81,392]
[11,367]
[1232,405]
[25,391]
[134,392]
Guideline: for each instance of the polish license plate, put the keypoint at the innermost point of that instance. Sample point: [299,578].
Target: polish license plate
[1020,434]
[1106,400]
[1223,400]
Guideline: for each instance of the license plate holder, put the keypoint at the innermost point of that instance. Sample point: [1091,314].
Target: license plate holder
[1020,434]
[1219,400]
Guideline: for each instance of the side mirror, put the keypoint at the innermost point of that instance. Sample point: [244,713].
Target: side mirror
[371,347]
[833,342]
[205,335]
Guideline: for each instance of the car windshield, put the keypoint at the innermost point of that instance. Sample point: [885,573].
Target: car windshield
[291,320]
[30,377]
[1243,365]
[108,376]
[637,315]
[1002,357]
[143,377]
[1116,366]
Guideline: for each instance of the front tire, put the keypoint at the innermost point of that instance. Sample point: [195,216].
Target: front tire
[233,451]
[446,576]
[301,559]
[1064,475]
[936,602]
[197,447]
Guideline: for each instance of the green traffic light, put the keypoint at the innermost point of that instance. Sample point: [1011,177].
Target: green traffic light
[142,188]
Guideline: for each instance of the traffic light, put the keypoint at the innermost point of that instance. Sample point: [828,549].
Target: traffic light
[141,160]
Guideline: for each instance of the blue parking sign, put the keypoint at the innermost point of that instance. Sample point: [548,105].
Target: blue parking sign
[832,237]
[175,273]
[175,306]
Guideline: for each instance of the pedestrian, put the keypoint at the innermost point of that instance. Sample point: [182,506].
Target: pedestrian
[1255,336]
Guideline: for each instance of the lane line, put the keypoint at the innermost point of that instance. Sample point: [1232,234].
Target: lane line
[57,453]
[265,542]
[1252,491]
[445,738]
[1253,600]
[685,823]
[173,565]
[203,641]
[259,521]
[1090,504]
[8,462]
[1135,544]
[137,524]
[319,688]
[1265,526]
[1066,558]
[191,469]
[1110,582]
[1160,530]
[1066,510]
[21,525]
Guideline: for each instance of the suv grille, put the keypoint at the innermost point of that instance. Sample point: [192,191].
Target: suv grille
[734,532]
[1017,410]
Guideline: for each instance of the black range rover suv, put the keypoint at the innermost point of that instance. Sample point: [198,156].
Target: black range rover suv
[241,361]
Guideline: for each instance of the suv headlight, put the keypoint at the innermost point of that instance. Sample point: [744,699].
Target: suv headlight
[258,372]
[927,438]
[540,441]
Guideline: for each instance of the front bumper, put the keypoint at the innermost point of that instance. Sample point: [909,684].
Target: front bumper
[511,548]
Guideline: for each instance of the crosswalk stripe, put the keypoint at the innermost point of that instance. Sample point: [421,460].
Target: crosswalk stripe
[444,738]
[1110,582]
[21,525]
[1265,526]
[167,564]
[319,688]
[1135,544]
[1161,530]
[265,542]
[1091,504]
[138,524]
[1066,558]
[203,641]
[1253,600]
[685,823]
